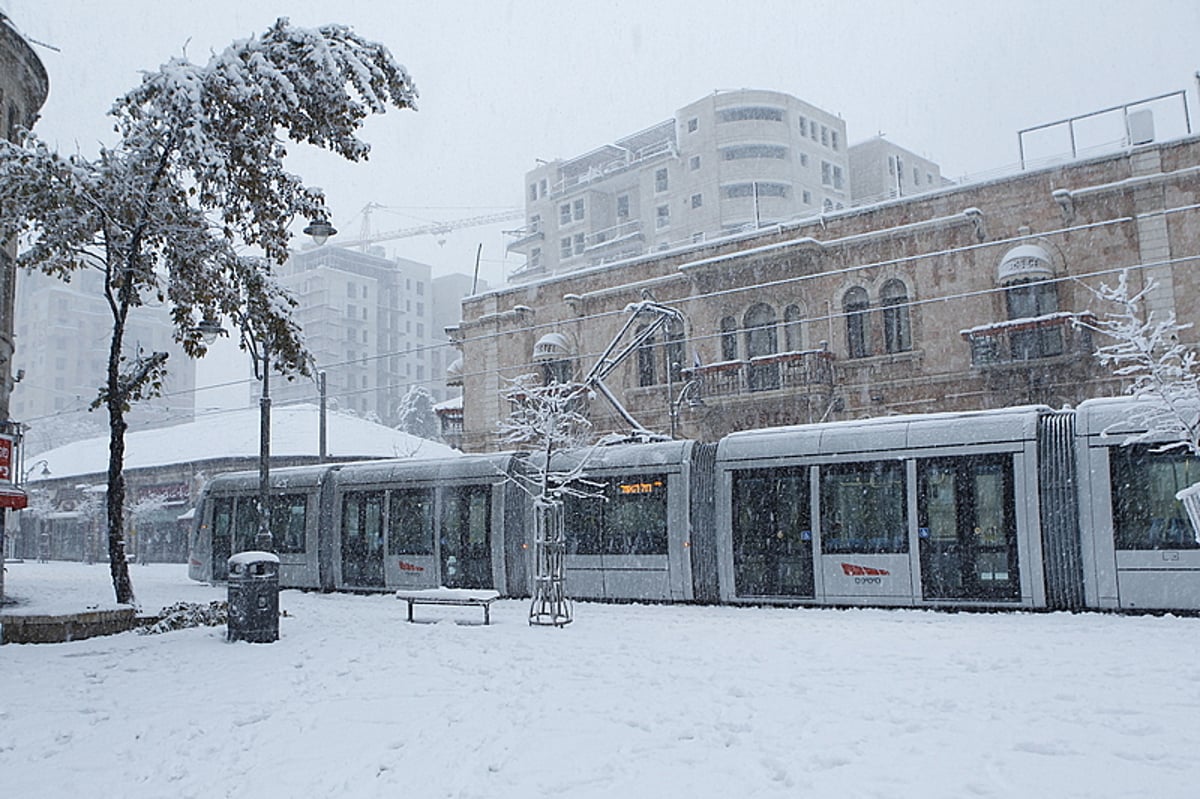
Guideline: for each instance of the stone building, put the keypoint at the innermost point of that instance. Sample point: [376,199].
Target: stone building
[23,89]
[966,297]
[448,293]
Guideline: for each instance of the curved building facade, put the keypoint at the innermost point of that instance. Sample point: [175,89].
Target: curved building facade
[731,161]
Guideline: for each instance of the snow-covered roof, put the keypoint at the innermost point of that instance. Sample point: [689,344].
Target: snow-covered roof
[235,434]
[452,404]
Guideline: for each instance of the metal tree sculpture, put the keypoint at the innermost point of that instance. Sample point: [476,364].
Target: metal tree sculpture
[546,418]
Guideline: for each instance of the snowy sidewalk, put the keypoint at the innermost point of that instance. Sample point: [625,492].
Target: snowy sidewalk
[630,700]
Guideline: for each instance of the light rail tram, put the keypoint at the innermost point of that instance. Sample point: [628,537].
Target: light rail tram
[1023,508]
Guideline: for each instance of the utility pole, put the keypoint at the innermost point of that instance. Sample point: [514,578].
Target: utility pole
[322,449]
[263,541]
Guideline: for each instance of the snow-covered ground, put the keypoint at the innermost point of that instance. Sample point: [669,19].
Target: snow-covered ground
[629,701]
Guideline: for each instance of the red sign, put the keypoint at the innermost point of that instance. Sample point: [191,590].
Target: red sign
[12,497]
[6,459]
[410,567]
[855,569]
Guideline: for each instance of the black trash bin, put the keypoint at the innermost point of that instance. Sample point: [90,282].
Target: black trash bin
[253,598]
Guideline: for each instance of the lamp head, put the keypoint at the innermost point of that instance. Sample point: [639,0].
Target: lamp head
[320,230]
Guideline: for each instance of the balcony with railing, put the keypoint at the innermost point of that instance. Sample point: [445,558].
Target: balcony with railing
[619,234]
[804,371]
[1017,343]
[649,145]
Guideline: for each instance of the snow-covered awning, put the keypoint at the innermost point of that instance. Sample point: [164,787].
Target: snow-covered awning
[13,497]
[186,516]
[551,347]
[1023,262]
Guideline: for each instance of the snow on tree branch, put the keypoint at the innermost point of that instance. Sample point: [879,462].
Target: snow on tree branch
[546,420]
[219,122]
[1147,352]
[198,168]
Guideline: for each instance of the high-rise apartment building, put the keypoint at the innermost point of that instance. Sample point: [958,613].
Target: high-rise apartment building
[367,322]
[63,332]
[731,161]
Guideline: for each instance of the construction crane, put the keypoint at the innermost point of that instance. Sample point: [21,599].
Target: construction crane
[440,229]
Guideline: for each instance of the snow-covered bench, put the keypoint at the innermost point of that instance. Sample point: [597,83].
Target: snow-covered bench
[451,596]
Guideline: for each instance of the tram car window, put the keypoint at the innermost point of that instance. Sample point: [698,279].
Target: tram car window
[967,527]
[466,537]
[1146,514]
[288,518]
[222,537]
[410,522]
[863,508]
[630,518]
[772,533]
[362,539]
[245,524]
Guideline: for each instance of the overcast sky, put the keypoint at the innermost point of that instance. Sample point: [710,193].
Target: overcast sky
[505,83]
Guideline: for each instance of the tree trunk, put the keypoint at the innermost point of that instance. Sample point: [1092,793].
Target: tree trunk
[115,499]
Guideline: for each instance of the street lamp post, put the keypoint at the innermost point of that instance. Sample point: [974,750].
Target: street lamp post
[262,541]
[320,230]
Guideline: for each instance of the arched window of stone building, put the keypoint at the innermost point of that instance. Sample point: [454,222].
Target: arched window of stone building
[646,361]
[553,353]
[855,305]
[793,323]
[1026,272]
[761,340]
[897,333]
[729,348]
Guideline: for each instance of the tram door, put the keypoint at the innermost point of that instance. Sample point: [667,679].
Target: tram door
[772,533]
[967,528]
[362,539]
[465,542]
[222,537]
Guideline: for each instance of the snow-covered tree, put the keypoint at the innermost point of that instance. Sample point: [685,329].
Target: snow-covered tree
[546,420]
[417,416]
[198,167]
[1147,352]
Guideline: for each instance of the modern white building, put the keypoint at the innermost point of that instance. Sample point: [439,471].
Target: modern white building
[731,161]
[367,322]
[883,170]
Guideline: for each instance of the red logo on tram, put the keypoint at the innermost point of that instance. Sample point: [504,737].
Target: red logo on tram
[410,567]
[855,570]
